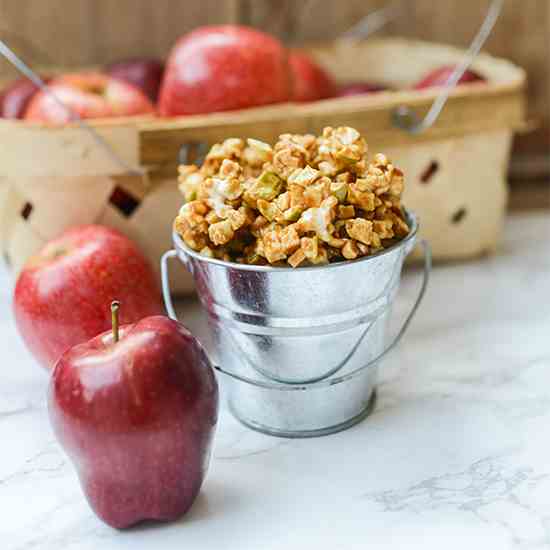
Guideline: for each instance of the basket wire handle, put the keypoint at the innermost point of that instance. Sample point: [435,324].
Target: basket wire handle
[26,70]
[26,47]
[404,117]
[374,21]
[326,381]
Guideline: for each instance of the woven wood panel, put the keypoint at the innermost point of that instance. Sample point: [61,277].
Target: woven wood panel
[84,32]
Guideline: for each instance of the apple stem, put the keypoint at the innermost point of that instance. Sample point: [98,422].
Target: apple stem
[115,306]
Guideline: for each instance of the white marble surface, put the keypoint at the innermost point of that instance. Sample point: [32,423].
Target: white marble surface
[456,454]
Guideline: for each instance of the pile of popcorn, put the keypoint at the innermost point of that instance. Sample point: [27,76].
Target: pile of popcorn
[305,201]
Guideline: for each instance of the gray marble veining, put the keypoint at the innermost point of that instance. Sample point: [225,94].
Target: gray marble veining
[456,453]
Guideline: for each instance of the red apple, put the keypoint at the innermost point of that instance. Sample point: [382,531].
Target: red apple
[63,294]
[360,88]
[137,417]
[89,95]
[310,81]
[16,97]
[439,77]
[144,74]
[223,68]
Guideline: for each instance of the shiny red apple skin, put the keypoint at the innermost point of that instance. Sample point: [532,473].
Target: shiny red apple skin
[360,88]
[310,81]
[89,95]
[16,97]
[143,73]
[137,418]
[63,294]
[439,77]
[221,68]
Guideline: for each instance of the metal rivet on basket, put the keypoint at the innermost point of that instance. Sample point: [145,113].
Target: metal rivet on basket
[26,210]
[459,215]
[405,118]
[125,203]
[429,172]
[192,152]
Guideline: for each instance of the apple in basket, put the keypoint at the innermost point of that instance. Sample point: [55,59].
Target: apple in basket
[360,88]
[15,98]
[136,410]
[310,81]
[439,77]
[143,73]
[221,68]
[88,95]
[62,296]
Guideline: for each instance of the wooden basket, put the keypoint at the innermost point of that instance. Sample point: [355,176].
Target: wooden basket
[52,178]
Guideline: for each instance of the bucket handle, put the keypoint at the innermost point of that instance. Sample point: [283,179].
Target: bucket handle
[427,266]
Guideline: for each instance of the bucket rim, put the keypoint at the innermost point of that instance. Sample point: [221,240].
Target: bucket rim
[412,221]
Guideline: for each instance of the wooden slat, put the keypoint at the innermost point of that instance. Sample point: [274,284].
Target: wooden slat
[307,20]
[464,114]
[85,32]
[498,104]
[34,151]
[520,35]
[529,195]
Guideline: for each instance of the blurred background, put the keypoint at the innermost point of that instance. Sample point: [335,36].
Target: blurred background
[84,32]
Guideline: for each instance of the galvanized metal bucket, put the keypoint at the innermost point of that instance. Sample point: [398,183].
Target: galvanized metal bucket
[301,346]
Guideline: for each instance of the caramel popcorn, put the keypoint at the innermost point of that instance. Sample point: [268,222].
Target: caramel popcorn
[305,201]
